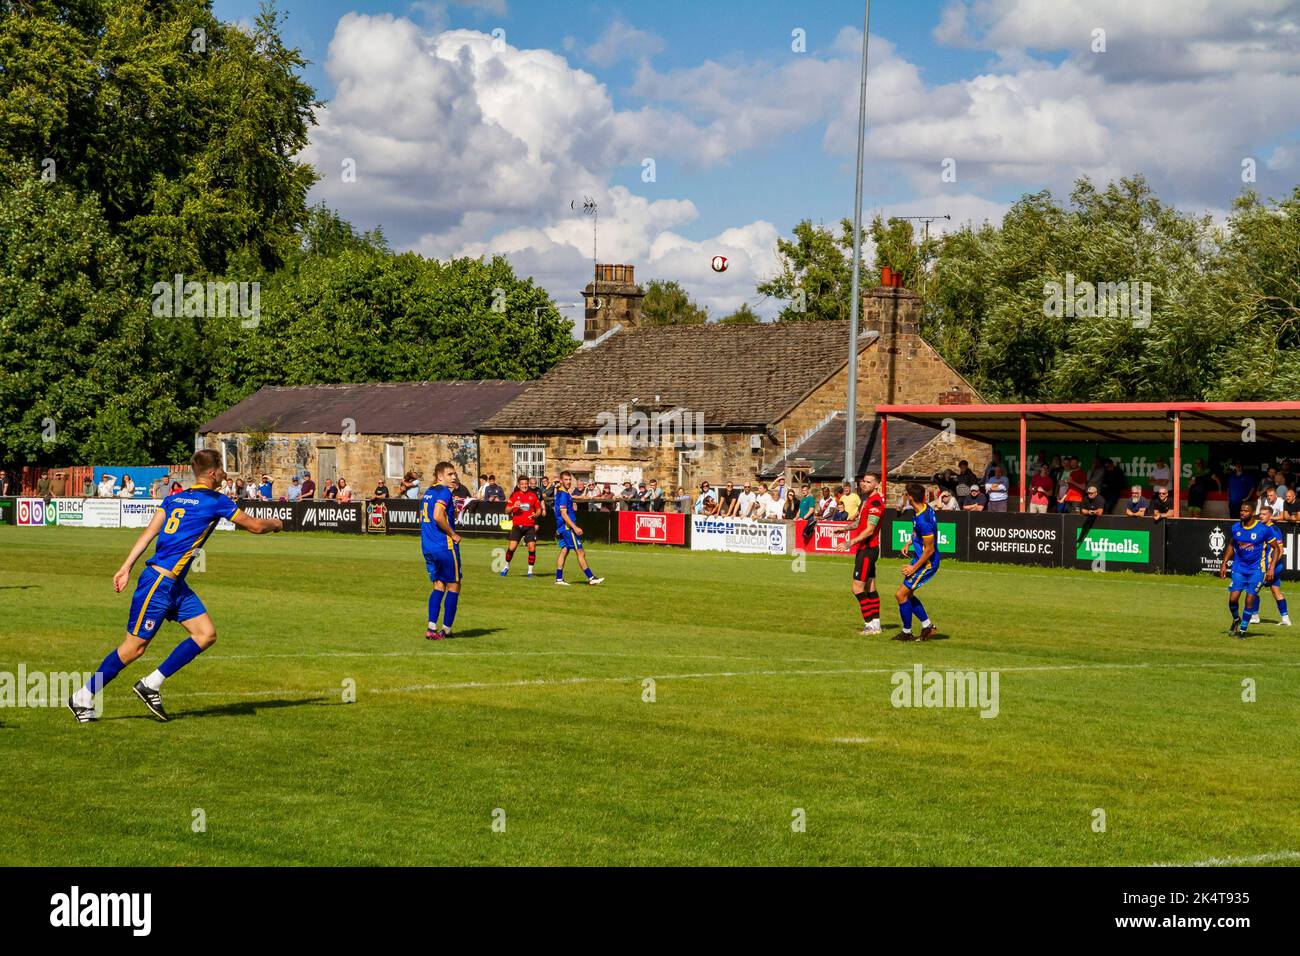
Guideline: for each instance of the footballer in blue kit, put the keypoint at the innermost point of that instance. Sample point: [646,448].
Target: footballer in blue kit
[567,533]
[441,546]
[1252,550]
[1274,581]
[923,549]
[182,523]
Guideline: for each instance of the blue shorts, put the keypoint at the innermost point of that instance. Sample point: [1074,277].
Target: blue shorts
[444,566]
[160,597]
[567,539]
[1276,580]
[1246,579]
[921,576]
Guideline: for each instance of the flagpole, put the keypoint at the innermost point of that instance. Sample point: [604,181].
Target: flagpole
[851,418]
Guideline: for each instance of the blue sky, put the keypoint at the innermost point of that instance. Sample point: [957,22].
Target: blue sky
[463,146]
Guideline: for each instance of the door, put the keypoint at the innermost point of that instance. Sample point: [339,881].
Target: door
[329,465]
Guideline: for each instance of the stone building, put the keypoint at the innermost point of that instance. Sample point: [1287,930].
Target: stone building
[714,402]
[611,299]
[361,432]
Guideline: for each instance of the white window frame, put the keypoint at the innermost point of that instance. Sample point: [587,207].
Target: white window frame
[226,444]
[389,471]
[530,461]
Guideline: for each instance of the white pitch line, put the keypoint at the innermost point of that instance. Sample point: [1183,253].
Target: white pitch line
[1277,857]
[438,655]
[710,675]
[562,681]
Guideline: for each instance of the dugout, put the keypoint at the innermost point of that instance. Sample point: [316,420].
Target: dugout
[1254,433]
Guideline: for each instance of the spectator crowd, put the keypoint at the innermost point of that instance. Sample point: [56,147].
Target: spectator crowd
[1058,483]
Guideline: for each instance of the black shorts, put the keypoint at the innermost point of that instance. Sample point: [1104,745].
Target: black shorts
[865,561]
[518,532]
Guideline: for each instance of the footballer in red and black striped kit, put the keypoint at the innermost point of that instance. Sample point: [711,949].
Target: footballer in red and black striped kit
[524,508]
[865,545]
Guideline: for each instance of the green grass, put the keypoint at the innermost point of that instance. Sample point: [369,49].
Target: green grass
[1117,691]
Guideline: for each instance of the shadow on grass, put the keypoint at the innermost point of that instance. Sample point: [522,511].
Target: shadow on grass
[20,587]
[473,632]
[243,708]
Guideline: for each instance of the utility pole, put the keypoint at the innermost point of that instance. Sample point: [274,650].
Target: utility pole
[851,412]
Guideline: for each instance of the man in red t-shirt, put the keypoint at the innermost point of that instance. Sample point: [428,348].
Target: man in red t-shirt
[1077,483]
[524,508]
[1041,488]
[864,542]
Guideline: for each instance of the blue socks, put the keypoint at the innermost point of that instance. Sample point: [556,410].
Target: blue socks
[182,654]
[589,573]
[559,574]
[110,668]
[918,610]
[1281,606]
[444,601]
[1232,606]
[905,611]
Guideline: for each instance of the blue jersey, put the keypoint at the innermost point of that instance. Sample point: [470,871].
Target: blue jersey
[1280,538]
[1250,546]
[432,537]
[563,501]
[192,515]
[925,525]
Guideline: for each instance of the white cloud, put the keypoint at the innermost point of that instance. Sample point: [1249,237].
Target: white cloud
[1144,38]
[622,41]
[468,146]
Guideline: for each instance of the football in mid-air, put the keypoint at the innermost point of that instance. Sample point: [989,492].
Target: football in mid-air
[719,263]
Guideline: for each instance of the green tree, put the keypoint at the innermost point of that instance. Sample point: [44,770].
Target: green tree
[816,273]
[742,316]
[667,303]
[70,326]
[186,128]
[365,314]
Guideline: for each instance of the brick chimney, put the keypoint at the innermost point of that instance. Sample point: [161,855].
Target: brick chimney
[892,311]
[895,313]
[613,298]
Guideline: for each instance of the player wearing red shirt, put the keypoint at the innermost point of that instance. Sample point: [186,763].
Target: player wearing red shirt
[524,508]
[865,543]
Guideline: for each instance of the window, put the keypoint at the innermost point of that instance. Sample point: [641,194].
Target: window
[394,459]
[230,456]
[530,461]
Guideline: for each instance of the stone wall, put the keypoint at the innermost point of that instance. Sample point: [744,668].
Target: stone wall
[360,458]
[725,456]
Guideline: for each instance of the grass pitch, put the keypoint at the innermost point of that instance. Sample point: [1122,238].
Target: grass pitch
[1118,693]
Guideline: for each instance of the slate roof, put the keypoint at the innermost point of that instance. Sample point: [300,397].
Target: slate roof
[824,449]
[377,408]
[736,375]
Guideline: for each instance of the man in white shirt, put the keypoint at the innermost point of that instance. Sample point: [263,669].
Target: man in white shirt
[1271,500]
[1162,475]
[997,490]
[747,502]
[769,506]
[105,487]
